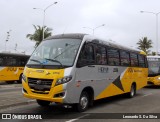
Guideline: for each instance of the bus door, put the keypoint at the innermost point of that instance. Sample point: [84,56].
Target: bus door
[86,64]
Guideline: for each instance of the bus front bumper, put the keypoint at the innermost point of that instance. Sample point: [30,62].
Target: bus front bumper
[56,94]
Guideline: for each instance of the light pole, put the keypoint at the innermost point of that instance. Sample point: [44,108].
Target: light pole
[93,29]
[44,14]
[156,14]
[7,39]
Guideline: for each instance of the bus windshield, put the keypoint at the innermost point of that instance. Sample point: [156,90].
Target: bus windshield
[55,52]
[154,67]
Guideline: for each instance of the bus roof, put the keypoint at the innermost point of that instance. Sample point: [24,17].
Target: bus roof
[70,35]
[94,39]
[156,56]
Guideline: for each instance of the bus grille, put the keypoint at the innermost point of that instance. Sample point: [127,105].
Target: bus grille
[41,86]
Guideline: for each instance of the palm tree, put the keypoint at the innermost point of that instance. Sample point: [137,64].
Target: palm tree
[37,36]
[153,53]
[144,44]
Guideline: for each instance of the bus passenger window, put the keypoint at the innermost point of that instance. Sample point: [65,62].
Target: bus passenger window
[113,57]
[141,59]
[1,61]
[124,56]
[134,59]
[87,55]
[101,55]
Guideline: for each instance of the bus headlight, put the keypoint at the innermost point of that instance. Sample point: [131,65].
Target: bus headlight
[158,78]
[24,78]
[63,80]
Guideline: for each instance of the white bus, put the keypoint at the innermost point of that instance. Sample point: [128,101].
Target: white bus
[77,69]
[154,70]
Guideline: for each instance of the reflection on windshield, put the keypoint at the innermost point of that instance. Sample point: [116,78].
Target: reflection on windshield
[59,52]
[154,67]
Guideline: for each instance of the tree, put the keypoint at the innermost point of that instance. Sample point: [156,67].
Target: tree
[37,36]
[153,53]
[144,44]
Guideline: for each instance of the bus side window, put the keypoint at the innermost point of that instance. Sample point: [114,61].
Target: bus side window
[101,55]
[87,55]
[113,57]
[124,56]
[23,61]
[141,59]
[134,59]
[11,61]
[1,61]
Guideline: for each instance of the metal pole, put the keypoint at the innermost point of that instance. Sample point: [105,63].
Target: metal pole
[93,29]
[44,13]
[43,24]
[157,33]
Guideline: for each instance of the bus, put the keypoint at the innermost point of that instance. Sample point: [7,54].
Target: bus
[76,69]
[12,66]
[153,70]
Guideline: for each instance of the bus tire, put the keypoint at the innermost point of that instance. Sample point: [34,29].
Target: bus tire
[83,102]
[132,92]
[20,79]
[9,82]
[43,103]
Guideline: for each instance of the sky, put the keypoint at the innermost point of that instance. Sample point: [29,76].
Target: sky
[124,23]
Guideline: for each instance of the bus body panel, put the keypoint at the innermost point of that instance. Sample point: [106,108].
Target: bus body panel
[10,73]
[154,80]
[43,74]
[107,82]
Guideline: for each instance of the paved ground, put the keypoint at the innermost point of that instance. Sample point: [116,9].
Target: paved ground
[146,101]
[11,95]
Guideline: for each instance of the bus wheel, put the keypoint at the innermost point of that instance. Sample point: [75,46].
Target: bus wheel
[20,79]
[83,102]
[43,102]
[132,92]
[10,82]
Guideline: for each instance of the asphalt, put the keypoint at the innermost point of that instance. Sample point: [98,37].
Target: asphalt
[11,96]
[145,102]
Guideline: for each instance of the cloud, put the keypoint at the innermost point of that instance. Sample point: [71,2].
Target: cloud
[122,18]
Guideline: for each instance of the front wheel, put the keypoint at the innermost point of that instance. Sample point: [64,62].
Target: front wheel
[43,102]
[132,92]
[83,102]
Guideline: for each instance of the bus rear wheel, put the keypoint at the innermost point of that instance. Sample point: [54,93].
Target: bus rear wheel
[132,92]
[83,102]
[43,102]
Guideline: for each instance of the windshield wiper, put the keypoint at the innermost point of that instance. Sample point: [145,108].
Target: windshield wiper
[35,61]
[53,60]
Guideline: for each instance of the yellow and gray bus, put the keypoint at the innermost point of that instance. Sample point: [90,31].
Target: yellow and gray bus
[154,70]
[12,66]
[77,69]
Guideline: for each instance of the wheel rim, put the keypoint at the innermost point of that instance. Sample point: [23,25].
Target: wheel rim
[84,102]
[132,91]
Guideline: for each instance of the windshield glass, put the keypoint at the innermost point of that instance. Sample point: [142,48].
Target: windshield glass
[57,52]
[154,67]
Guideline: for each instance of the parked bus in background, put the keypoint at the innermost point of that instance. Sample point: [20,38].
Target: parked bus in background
[77,69]
[154,70]
[12,66]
